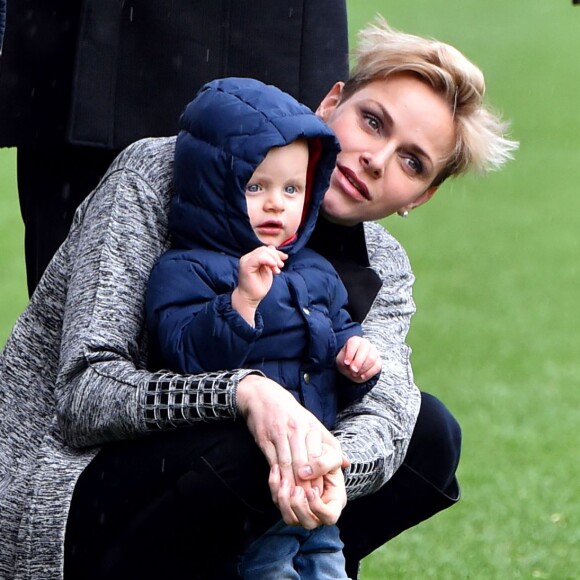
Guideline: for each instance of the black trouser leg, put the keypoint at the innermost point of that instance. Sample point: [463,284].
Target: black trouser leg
[424,485]
[52,181]
[172,505]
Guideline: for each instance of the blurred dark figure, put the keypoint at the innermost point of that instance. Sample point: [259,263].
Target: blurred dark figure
[2,22]
[81,80]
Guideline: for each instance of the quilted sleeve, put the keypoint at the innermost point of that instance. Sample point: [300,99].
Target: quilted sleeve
[190,318]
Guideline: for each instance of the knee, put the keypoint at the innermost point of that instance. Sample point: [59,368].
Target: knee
[440,426]
[435,446]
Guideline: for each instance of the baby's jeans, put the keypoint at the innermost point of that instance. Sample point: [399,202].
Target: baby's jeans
[293,553]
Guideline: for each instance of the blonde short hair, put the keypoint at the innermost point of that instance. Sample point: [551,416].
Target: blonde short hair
[481,142]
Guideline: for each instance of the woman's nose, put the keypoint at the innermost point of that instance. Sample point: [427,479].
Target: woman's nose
[375,162]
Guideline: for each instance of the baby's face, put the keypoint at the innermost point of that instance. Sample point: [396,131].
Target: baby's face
[276,191]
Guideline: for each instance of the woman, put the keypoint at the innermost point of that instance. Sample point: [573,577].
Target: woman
[410,116]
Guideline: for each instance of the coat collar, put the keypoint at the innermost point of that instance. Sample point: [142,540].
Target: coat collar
[345,248]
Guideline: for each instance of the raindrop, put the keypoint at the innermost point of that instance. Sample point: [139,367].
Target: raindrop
[65,192]
[177,61]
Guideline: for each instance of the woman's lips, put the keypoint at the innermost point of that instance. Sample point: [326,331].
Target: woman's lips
[352,184]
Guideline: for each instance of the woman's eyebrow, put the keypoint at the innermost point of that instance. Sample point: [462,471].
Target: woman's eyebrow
[420,152]
[387,119]
[413,147]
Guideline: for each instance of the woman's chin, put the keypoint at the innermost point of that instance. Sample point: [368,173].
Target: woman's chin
[339,210]
[340,213]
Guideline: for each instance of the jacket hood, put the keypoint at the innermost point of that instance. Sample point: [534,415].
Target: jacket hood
[225,133]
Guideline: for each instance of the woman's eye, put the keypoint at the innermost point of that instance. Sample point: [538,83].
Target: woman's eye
[414,165]
[372,121]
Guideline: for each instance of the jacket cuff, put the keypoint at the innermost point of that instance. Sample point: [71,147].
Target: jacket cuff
[171,401]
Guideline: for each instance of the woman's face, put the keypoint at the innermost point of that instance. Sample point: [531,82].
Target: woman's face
[395,136]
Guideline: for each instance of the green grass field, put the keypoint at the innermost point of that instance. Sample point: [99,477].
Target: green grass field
[498,270]
[13,296]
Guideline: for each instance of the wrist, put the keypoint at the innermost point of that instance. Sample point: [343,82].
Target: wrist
[246,389]
[245,306]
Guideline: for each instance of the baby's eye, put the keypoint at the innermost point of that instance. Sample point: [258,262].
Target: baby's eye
[252,187]
[291,189]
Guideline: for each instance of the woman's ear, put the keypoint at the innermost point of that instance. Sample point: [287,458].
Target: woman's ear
[425,197]
[330,101]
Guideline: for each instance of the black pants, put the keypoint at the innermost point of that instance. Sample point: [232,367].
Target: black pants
[52,181]
[183,504]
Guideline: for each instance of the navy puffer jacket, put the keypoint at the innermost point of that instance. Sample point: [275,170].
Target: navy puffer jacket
[226,131]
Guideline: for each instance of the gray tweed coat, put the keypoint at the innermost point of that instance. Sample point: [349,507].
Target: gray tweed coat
[72,373]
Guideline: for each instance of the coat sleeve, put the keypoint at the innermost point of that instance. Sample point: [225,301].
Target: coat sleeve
[103,391]
[191,320]
[375,432]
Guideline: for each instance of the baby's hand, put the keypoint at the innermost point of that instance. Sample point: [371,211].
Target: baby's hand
[358,359]
[257,270]
[290,496]
[256,274]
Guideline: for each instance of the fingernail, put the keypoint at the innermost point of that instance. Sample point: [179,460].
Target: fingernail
[305,471]
[285,483]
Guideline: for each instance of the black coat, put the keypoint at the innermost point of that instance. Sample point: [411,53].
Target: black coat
[108,72]
[2,22]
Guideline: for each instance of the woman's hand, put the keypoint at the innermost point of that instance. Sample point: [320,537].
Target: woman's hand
[293,439]
[310,505]
[282,428]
